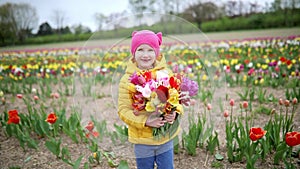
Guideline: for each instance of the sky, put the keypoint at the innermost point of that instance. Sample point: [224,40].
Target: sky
[81,11]
[76,11]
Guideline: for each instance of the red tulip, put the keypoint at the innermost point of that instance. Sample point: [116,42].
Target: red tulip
[20,96]
[93,133]
[51,118]
[287,103]
[256,133]
[295,101]
[13,117]
[36,97]
[226,113]
[292,138]
[54,95]
[90,126]
[280,101]
[231,102]
[245,104]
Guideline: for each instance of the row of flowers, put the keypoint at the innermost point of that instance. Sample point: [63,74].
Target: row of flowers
[261,58]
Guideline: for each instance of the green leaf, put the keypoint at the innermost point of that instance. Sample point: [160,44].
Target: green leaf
[111,163]
[219,157]
[77,162]
[53,146]
[31,143]
[123,165]
[279,155]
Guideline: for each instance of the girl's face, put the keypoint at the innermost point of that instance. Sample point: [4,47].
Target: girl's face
[145,57]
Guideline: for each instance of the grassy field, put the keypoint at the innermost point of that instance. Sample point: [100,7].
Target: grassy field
[283,32]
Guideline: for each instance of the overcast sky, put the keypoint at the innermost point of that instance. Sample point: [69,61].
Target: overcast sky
[76,11]
[81,11]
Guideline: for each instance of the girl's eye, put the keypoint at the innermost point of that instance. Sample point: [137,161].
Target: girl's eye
[139,49]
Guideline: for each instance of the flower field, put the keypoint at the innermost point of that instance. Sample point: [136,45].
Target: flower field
[58,107]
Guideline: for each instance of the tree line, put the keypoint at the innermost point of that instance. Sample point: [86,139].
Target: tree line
[18,20]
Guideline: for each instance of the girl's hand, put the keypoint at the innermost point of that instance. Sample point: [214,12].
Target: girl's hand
[154,120]
[170,117]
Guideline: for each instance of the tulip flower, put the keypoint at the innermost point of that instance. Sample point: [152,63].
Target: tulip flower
[20,96]
[36,97]
[54,95]
[226,113]
[231,102]
[13,117]
[280,101]
[245,104]
[287,103]
[208,106]
[292,138]
[51,118]
[295,101]
[93,133]
[90,126]
[33,90]
[256,133]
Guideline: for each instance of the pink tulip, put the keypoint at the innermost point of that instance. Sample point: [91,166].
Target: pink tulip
[55,95]
[208,106]
[36,97]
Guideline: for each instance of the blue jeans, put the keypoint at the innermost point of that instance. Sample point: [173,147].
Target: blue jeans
[147,155]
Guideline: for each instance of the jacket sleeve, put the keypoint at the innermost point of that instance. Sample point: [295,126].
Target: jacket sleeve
[125,110]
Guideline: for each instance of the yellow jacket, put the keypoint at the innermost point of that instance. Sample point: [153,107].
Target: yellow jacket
[137,131]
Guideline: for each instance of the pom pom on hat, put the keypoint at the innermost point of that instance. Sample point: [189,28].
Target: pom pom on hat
[146,37]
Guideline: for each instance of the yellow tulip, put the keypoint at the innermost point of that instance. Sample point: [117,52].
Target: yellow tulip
[204,77]
[149,107]
[245,78]
[174,97]
[261,81]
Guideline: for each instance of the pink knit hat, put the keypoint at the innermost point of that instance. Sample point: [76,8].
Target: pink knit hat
[146,37]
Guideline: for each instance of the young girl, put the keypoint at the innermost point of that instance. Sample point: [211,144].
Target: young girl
[145,50]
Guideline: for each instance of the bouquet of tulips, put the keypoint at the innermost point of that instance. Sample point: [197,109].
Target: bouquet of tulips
[158,91]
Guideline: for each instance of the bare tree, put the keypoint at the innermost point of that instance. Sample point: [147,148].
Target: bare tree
[100,20]
[21,19]
[59,18]
[139,7]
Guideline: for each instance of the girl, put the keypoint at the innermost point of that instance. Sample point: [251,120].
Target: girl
[145,50]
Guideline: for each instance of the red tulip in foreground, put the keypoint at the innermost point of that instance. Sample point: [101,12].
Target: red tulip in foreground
[51,118]
[292,138]
[256,133]
[13,117]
